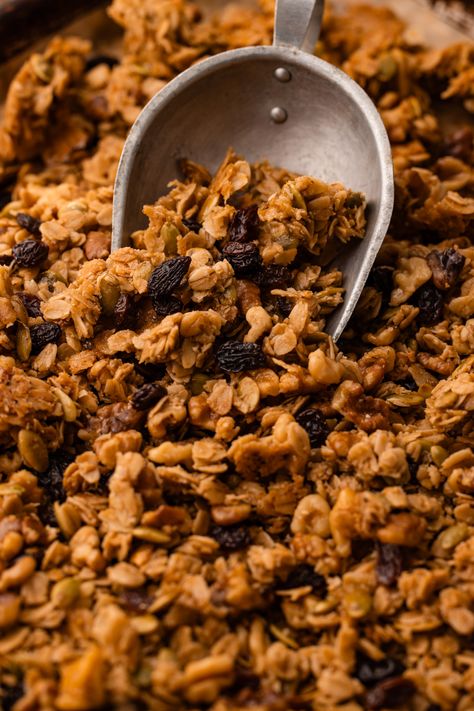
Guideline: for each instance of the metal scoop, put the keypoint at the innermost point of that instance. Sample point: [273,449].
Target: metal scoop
[280,103]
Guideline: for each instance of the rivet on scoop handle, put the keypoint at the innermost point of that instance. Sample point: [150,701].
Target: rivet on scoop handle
[298,23]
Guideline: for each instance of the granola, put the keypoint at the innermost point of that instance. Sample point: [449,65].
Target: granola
[204,502]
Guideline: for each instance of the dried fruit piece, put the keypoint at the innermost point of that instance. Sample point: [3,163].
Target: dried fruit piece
[305,575]
[430,302]
[30,252]
[382,279]
[123,309]
[370,671]
[166,305]
[244,258]
[192,224]
[312,420]
[42,334]
[168,276]
[273,276]
[231,538]
[244,225]
[390,694]
[446,267]
[119,417]
[31,303]
[389,563]
[146,396]
[235,357]
[29,223]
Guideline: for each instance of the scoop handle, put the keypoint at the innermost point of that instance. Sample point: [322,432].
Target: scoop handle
[298,23]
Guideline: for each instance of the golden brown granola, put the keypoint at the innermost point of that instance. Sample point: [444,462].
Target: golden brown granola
[180,533]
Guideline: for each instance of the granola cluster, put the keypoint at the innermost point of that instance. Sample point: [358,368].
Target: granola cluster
[205,503]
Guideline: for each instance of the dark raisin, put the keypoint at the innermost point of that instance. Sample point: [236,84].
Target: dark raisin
[389,563]
[273,276]
[244,225]
[313,422]
[192,224]
[30,252]
[231,538]
[460,144]
[31,303]
[235,357]
[166,305]
[147,396]
[42,334]
[168,276]
[381,279]
[430,302]
[243,257]
[136,600]
[371,672]
[5,198]
[284,306]
[123,309]
[391,693]
[150,371]
[446,267]
[29,223]
[305,575]
[52,479]
[101,59]
[9,695]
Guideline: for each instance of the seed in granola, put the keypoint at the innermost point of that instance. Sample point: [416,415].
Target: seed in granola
[430,302]
[305,575]
[166,305]
[389,563]
[30,252]
[137,600]
[29,223]
[147,396]
[243,257]
[33,450]
[370,671]
[446,267]
[123,309]
[235,357]
[312,420]
[231,538]
[192,224]
[460,144]
[390,693]
[244,225]
[272,276]
[31,303]
[168,276]
[44,333]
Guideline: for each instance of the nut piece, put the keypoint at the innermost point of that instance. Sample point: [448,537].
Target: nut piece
[9,609]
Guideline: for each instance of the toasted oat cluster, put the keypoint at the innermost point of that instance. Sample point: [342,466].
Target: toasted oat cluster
[205,503]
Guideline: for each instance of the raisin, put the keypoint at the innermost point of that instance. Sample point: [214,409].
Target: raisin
[231,538]
[446,267]
[460,144]
[166,305]
[430,302]
[52,479]
[136,600]
[243,258]
[30,252]
[371,672]
[391,693]
[305,575]
[244,225]
[150,371]
[147,396]
[123,309]
[284,306]
[42,334]
[9,695]
[313,422]
[381,279]
[29,223]
[101,59]
[168,276]
[119,417]
[31,303]
[389,563]
[235,357]
[272,276]
[192,225]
